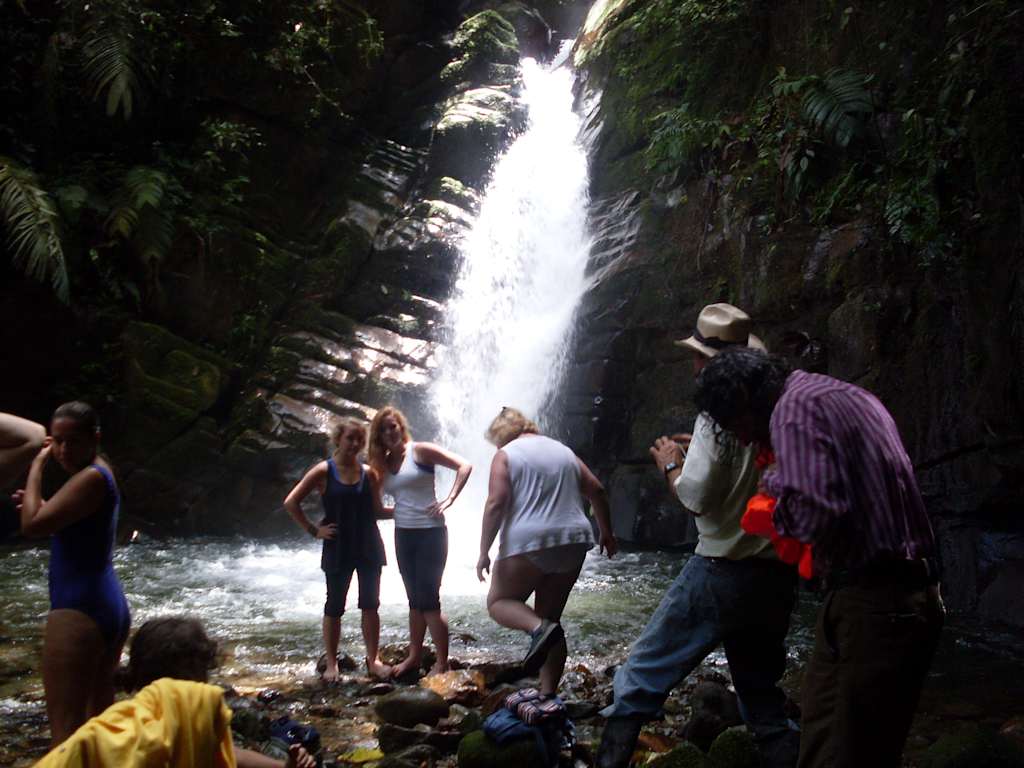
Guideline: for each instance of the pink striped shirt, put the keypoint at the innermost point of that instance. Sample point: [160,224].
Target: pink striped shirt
[843,480]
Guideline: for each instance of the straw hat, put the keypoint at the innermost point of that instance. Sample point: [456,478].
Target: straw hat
[720,326]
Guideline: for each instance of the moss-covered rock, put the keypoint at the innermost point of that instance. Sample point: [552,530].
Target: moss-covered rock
[734,748]
[973,747]
[478,751]
[686,755]
[474,127]
[487,50]
[169,383]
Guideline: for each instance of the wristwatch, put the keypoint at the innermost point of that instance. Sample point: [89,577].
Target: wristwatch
[670,466]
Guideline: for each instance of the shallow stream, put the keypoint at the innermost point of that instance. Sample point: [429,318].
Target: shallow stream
[263,601]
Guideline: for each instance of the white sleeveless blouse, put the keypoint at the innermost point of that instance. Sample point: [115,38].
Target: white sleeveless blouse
[412,488]
[546,509]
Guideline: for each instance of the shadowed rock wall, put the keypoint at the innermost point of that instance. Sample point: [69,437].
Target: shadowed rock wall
[939,345]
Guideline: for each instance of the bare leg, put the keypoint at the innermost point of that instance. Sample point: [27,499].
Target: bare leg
[371,637]
[103,684]
[71,646]
[438,625]
[417,631]
[332,635]
[513,579]
[549,602]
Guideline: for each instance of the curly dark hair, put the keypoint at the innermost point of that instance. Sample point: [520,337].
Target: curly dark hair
[170,646]
[738,390]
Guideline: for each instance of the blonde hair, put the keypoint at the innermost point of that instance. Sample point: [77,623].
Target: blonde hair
[508,425]
[340,427]
[377,452]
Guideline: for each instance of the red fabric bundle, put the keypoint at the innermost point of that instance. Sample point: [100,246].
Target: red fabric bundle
[757,521]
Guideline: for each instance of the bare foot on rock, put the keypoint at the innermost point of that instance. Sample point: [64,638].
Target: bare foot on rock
[405,668]
[378,669]
[330,675]
[439,668]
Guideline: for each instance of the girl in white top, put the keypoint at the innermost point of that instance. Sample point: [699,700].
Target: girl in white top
[535,497]
[406,472]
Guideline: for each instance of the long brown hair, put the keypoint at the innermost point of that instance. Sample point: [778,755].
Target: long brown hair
[377,452]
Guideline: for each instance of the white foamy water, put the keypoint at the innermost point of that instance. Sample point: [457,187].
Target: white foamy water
[521,277]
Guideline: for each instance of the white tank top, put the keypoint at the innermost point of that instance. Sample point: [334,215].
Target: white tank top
[546,509]
[412,488]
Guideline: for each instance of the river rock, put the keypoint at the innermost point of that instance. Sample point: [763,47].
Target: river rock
[714,709]
[462,719]
[734,748]
[465,686]
[410,706]
[973,747]
[1014,729]
[477,751]
[496,698]
[394,738]
[498,672]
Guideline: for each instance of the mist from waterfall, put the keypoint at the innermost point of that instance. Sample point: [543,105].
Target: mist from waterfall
[521,277]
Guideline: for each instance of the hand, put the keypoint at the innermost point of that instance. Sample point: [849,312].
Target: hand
[44,452]
[665,451]
[483,565]
[17,498]
[608,544]
[298,757]
[683,439]
[438,508]
[327,532]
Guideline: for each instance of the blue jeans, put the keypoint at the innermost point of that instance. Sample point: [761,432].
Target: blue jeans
[743,605]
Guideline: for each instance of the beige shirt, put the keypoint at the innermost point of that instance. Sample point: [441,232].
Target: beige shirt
[715,484]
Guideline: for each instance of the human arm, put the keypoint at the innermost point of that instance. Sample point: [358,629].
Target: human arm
[298,757]
[379,510]
[20,441]
[78,498]
[807,480]
[315,479]
[428,453]
[499,494]
[594,492]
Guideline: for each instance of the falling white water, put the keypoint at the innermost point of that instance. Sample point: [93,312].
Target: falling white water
[521,277]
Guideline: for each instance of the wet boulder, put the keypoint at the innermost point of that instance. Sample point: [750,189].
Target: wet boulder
[410,706]
[714,710]
[464,686]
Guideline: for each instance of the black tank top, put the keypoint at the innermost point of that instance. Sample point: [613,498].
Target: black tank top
[350,507]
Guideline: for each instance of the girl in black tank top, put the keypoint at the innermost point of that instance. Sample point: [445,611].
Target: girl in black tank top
[351,540]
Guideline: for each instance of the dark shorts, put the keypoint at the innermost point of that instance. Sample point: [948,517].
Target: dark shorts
[422,554]
[339,581]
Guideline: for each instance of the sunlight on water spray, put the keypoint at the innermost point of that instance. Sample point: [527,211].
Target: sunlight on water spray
[521,277]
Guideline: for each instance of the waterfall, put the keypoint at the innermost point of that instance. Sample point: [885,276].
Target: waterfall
[520,279]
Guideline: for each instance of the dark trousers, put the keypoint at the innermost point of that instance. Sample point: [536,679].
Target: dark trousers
[872,650]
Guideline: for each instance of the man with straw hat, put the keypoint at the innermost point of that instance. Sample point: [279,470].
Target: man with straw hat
[732,592]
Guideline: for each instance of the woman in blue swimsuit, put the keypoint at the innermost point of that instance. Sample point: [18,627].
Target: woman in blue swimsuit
[88,620]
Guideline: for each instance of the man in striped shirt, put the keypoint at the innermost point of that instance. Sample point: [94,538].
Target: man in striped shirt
[844,484]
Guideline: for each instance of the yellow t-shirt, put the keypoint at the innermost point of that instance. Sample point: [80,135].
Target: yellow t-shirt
[173,723]
[716,483]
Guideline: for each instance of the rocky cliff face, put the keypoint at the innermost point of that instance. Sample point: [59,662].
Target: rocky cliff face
[938,343]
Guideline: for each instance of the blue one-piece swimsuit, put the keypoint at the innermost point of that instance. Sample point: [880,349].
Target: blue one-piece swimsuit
[82,574]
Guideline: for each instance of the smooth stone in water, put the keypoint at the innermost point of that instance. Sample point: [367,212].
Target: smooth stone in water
[410,706]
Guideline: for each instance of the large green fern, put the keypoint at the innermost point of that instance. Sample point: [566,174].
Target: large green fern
[33,226]
[143,214]
[837,104]
[109,61]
